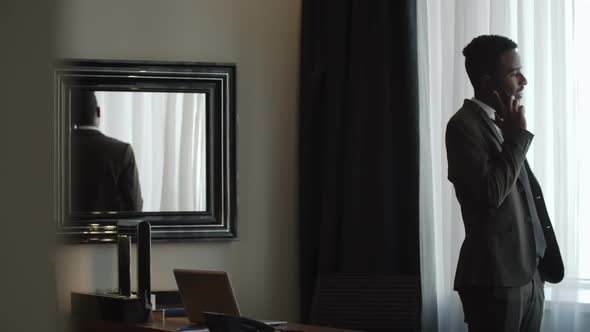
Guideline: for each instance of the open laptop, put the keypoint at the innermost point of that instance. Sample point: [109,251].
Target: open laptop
[208,291]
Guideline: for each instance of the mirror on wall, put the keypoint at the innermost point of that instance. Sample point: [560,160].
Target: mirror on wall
[145,140]
[151,147]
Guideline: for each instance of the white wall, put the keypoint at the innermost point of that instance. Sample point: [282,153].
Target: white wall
[262,38]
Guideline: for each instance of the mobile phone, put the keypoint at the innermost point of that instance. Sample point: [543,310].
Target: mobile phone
[500,88]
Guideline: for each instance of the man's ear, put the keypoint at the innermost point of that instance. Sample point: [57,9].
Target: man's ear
[97,112]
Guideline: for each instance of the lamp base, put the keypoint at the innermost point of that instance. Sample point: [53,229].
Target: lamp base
[111,307]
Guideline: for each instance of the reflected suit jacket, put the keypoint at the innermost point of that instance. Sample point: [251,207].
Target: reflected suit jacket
[104,175]
[499,248]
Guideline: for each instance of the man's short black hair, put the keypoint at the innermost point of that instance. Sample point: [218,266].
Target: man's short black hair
[84,106]
[482,55]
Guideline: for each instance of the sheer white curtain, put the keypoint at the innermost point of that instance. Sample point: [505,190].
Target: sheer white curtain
[556,62]
[168,134]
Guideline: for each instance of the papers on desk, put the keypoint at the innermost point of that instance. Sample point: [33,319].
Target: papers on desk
[193,329]
[174,312]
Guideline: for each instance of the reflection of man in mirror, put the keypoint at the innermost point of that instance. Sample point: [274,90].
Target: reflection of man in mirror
[104,174]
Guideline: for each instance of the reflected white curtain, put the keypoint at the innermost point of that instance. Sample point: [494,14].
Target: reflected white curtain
[168,135]
[555,56]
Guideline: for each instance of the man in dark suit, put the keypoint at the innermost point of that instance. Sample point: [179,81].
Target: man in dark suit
[103,170]
[510,248]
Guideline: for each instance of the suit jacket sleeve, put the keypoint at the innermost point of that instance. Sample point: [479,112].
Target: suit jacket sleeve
[129,183]
[483,176]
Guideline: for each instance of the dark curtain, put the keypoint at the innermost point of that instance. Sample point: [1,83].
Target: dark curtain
[358,141]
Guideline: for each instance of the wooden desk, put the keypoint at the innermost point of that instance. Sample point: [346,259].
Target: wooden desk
[172,324]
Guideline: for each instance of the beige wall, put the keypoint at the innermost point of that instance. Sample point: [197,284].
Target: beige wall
[26,238]
[262,38]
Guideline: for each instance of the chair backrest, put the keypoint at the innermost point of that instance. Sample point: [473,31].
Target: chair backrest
[367,302]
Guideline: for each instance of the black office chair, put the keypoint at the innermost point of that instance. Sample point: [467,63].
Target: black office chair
[367,302]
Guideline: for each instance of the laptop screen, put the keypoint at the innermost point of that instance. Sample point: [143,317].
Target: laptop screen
[205,291]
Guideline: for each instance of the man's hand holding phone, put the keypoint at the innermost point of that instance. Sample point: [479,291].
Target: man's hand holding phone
[509,112]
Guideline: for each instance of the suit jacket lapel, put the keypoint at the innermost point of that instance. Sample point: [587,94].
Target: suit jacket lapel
[473,107]
[490,127]
[535,188]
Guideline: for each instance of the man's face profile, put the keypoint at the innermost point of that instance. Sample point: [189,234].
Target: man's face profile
[509,75]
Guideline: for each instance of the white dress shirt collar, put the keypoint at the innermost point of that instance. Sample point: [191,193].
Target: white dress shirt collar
[489,111]
[88,127]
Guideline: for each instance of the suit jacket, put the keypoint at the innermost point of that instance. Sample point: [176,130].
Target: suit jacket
[499,247]
[104,176]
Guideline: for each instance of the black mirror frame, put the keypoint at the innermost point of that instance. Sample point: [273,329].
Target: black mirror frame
[218,81]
